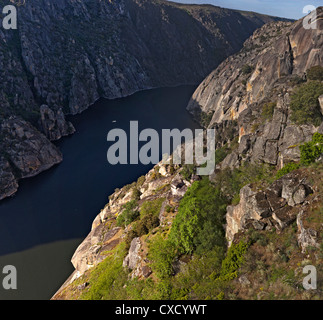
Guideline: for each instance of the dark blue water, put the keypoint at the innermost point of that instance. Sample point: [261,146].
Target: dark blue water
[61,203]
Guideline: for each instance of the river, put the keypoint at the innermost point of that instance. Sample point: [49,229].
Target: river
[42,225]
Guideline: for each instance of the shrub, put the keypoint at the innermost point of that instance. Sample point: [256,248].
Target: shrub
[129,214]
[268,110]
[140,181]
[310,151]
[233,260]
[135,194]
[305,105]
[289,167]
[162,254]
[205,118]
[315,73]
[187,171]
[198,224]
[246,69]
[153,207]
[146,224]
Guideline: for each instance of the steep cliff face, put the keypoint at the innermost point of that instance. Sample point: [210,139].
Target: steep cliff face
[273,53]
[67,54]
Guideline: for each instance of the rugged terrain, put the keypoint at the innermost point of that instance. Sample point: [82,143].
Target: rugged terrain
[247,230]
[65,55]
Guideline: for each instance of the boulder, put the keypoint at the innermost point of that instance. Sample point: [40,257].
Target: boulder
[231,161]
[284,216]
[294,190]
[132,260]
[306,237]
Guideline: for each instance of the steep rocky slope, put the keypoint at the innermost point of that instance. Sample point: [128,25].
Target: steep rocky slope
[247,230]
[67,54]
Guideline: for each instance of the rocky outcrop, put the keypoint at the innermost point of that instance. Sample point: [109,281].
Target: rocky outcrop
[91,251]
[306,237]
[133,258]
[27,152]
[53,124]
[271,207]
[277,50]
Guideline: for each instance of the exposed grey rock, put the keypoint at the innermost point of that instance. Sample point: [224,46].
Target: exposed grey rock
[271,152]
[231,161]
[132,259]
[263,209]
[294,190]
[306,237]
[321,103]
[28,151]
[65,66]
[53,124]
[244,144]
[320,129]
[244,280]
[284,216]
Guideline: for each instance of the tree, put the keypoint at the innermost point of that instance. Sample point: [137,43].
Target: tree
[315,73]
[305,105]
[198,226]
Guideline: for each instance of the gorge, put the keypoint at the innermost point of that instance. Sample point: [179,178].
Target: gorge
[74,70]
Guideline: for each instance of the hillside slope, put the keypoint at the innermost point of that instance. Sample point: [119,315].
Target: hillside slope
[247,230]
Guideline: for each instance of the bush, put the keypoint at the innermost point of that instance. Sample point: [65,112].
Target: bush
[146,224]
[289,167]
[135,194]
[246,69]
[129,214]
[315,73]
[198,226]
[162,254]
[187,171]
[310,151]
[153,207]
[305,105]
[233,260]
[268,110]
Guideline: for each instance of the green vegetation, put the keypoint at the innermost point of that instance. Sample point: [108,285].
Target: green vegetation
[289,167]
[305,105]
[198,224]
[151,207]
[129,214]
[145,225]
[231,181]
[310,151]
[162,254]
[268,110]
[246,69]
[205,118]
[315,73]
[187,171]
[208,275]
[105,278]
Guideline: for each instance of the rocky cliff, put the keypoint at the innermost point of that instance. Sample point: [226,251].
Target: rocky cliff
[246,231]
[67,54]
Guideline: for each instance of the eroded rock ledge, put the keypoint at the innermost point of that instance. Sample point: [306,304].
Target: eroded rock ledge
[277,206]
